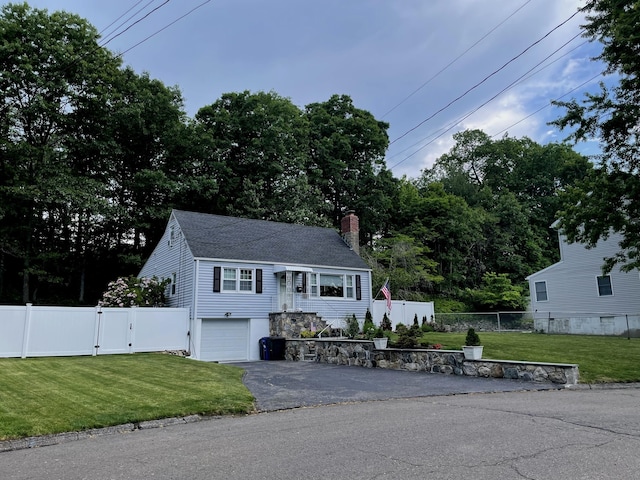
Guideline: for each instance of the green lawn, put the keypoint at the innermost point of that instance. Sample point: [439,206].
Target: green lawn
[600,359]
[61,394]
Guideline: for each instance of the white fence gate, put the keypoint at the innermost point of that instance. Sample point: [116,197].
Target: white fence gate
[30,331]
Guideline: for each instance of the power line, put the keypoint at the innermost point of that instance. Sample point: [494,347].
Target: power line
[483,80]
[165,27]
[548,104]
[134,23]
[464,117]
[455,60]
[519,81]
[103,31]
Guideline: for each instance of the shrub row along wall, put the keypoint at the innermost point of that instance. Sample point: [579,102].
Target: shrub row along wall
[362,353]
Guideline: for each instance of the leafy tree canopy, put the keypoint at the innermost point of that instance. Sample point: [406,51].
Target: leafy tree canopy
[608,199]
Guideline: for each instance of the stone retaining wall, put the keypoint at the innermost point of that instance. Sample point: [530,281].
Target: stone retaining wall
[291,324]
[362,353]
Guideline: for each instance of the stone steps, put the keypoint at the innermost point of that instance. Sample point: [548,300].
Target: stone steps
[310,354]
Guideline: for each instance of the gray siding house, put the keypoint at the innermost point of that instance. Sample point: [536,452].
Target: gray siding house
[573,295]
[232,273]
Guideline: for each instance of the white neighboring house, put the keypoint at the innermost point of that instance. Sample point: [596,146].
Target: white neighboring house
[233,272]
[576,284]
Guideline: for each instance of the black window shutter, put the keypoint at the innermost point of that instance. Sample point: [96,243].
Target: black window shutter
[358,288]
[258,280]
[216,279]
[304,282]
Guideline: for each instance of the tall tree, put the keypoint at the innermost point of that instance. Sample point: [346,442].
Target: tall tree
[347,147]
[608,200]
[255,146]
[493,174]
[53,80]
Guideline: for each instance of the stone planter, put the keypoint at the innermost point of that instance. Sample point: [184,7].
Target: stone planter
[472,352]
[380,343]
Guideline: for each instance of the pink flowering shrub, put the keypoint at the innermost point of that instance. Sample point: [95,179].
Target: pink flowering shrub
[135,292]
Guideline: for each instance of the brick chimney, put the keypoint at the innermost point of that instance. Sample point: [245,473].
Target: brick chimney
[350,229]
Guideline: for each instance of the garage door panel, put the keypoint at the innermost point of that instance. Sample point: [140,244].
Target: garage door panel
[224,339]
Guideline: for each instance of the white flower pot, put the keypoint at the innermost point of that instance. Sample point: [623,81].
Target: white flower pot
[472,352]
[380,343]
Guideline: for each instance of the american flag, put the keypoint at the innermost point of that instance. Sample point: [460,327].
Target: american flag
[387,294]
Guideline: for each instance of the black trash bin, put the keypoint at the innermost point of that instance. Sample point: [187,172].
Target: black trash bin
[277,348]
[272,348]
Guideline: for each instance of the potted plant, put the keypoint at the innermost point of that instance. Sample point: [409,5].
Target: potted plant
[472,349]
[379,340]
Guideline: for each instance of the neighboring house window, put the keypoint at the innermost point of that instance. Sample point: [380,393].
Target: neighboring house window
[237,280]
[335,286]
[174,280]
[172,235]
[541,291]
[604,285]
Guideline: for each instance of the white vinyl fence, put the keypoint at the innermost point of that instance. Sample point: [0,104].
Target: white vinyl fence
[402,311]
[32,331]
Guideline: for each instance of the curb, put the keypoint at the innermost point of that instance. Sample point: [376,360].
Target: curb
[59,438]
[604,386]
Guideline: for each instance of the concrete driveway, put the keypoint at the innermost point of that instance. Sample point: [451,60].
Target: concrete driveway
[279,385]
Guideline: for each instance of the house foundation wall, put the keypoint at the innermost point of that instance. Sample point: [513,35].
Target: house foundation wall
[362,353]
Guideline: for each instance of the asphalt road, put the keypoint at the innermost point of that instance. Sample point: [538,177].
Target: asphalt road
[554,434]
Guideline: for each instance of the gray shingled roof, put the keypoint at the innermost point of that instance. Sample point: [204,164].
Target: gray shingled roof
[221,237]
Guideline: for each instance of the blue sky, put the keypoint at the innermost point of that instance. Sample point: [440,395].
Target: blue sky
[393,57]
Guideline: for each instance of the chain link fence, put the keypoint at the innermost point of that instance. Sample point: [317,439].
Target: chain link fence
[485,322]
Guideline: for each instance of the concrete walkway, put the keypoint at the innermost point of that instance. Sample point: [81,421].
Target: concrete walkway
[279,385]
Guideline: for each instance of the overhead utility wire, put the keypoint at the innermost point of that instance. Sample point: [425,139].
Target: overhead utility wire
[105,29]
[121,54]
[166,26]
[548,104]
[136,22]
[483,80]
[517,83]
[486,102]
[455,60]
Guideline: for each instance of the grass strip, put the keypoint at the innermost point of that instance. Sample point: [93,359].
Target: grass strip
[600,359]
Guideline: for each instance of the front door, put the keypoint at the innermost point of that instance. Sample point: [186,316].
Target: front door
[285,291]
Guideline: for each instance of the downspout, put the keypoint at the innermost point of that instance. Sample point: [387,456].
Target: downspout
[193,338]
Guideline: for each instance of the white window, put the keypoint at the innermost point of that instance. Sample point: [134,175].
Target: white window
[174,281]
[541,291]
[604,285]
[246,280]
[237,280]
[229,279]
[349,286]
[332,285]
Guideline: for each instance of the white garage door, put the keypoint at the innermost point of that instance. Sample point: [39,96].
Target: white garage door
[224,340]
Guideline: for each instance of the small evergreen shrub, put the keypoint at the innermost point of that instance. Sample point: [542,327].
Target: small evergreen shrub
[426,328]
[472,339]
[353,327]
[386,323]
